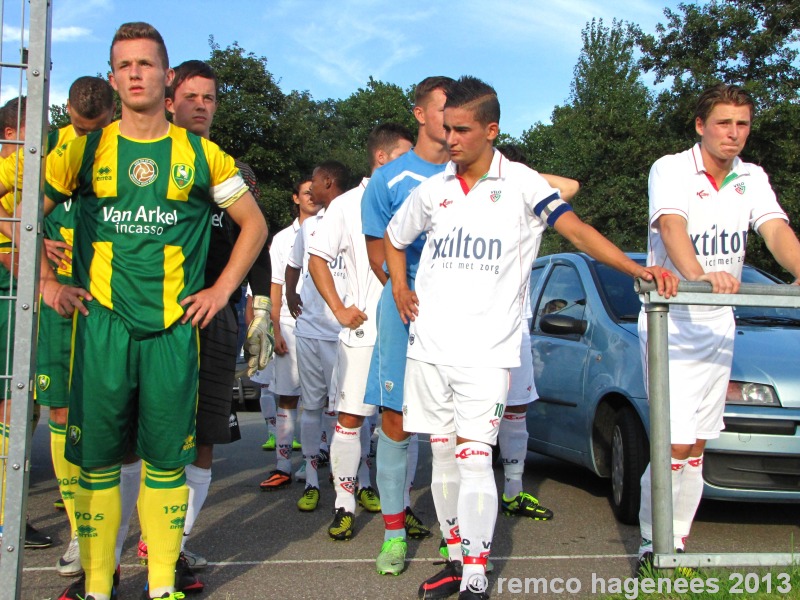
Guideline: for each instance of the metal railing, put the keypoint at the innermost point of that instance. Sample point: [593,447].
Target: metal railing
[657,308]
[34,73]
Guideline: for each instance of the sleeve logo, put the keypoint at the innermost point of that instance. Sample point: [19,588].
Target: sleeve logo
[182,175]
[143,171]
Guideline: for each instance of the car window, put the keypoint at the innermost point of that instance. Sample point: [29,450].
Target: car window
[763,315]
[617,289]
[563,294]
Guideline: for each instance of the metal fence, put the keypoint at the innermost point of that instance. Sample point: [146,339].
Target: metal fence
[24,70]
[656,307]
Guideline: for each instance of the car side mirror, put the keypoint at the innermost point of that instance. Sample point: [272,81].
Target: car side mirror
[562,325]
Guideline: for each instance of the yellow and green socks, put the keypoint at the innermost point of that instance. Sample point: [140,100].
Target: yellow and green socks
[162,510]
[97,517]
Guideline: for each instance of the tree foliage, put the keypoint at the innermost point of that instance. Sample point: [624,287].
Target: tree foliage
[608,133]
[604,137]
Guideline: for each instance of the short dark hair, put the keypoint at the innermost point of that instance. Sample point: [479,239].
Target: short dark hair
[189,69]
[513,152]
[385,137]
[139,31]
[473,94]
[427,86]
[91,97]
[336,171]
[14,109]
[298,183]
[722,93]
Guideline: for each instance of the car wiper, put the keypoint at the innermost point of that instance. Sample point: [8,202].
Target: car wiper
[765,320]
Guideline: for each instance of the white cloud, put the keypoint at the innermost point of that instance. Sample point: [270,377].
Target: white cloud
[68,34]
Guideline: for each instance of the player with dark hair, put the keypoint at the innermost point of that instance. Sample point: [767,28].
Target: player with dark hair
[286,381]
[339,234]
[317,330]
[456,390]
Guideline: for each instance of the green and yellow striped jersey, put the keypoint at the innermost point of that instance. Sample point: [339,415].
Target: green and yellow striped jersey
[141,235]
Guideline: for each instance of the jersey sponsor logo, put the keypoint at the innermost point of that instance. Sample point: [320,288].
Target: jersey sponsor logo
[188,443]
[439,440]
[445,203]
[216,220]
[182,175]
[103,174]
[74,434]
[494,422]
[740,188]
[495,195]
[177,523]
[719,247]
[143,220]
[143,171]
[43,381]
[702,194]
[462,245]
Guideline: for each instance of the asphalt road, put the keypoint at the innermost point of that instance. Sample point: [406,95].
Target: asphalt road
[260,546]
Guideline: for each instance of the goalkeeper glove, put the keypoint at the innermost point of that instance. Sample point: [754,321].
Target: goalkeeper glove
[260,341]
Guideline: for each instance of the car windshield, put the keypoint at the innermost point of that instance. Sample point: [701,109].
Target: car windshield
[762,315]
[625,304]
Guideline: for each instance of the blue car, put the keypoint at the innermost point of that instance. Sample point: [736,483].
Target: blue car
[593,409]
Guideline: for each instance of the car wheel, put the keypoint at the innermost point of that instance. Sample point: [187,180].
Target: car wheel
[630,453]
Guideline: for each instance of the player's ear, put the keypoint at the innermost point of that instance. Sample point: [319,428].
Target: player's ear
[170,75]
[170,105]
[492,131]
[419,115]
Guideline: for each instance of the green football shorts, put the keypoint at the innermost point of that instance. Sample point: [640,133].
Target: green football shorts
[124,388]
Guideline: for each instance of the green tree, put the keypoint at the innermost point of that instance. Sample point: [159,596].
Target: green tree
[749,42]
[357,115]
[604,138]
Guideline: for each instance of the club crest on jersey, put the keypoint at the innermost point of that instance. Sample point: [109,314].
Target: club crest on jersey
[740,188]
[388,385]
[43,382]
[494,196]
[74,434]
[143,171]
[182,175]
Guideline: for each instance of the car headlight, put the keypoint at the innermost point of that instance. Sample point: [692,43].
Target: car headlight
[751,394]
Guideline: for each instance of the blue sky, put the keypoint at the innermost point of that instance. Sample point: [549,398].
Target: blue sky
[526,49]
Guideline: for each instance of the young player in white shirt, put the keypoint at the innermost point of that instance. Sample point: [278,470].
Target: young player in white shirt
[317,330]
[703,201]
[484,217]
[286,379]
[340,233]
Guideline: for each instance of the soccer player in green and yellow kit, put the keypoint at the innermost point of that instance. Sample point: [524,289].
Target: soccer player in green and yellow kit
[145,188]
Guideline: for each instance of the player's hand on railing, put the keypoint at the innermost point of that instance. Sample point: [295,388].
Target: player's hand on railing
[721,282]
[665,280]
